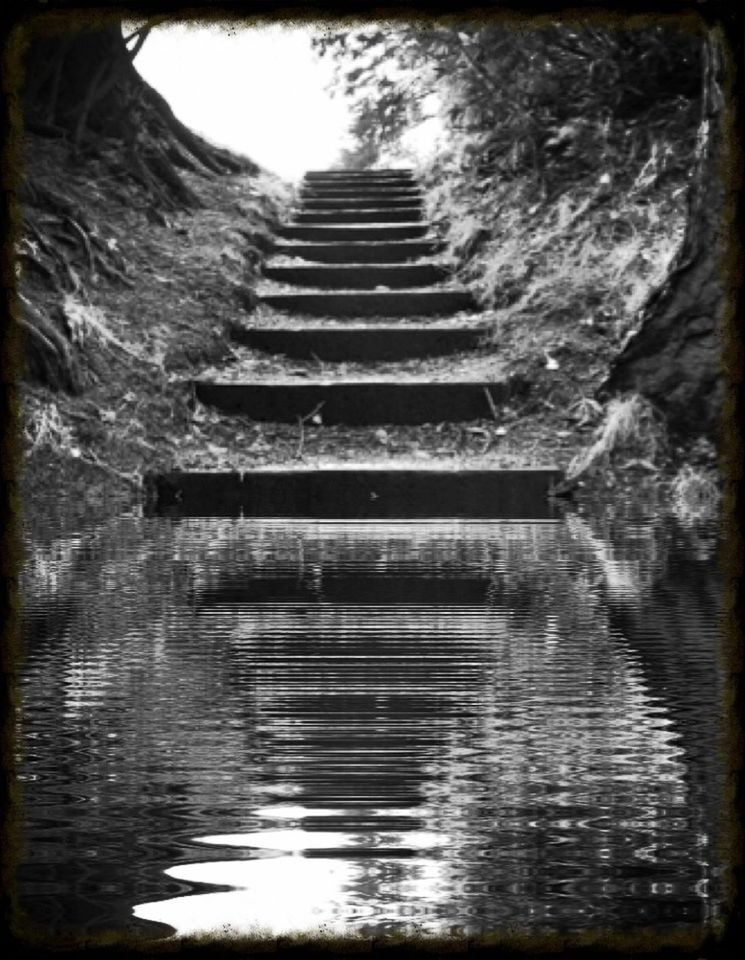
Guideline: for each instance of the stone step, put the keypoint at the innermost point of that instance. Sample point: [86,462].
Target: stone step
[360,343]
[393,251]
[381,214]
[357,402]
[358,277]
[313,232]
[344,491]
[357,197]
[414,303]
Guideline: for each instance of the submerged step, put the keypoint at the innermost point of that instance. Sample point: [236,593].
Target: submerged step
[358,401]
[394,231]
[355,252]
[367,586]
[394,303]
[361,343]
[359,492]
[359,277]
[382,214]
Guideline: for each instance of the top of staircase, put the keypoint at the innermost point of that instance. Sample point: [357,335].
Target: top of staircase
[371,172]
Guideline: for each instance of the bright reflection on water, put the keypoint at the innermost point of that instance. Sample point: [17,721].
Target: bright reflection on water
[367,727]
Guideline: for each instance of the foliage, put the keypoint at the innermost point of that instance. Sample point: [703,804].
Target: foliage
[631,425]
[575,181]
[695,494]
[554,100]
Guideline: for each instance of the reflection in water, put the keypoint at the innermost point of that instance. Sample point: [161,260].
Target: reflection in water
[371,727]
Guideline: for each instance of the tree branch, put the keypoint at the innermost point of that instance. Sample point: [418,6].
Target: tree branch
[486,77]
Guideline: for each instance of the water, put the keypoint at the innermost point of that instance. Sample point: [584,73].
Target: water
[232,725]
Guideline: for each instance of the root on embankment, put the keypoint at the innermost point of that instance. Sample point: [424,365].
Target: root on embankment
[94,131]
[136,245]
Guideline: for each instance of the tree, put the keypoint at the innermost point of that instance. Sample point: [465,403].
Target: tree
[675,356]
[552,100]
[80,87]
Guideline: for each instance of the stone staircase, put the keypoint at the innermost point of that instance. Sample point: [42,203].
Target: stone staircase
[357,279]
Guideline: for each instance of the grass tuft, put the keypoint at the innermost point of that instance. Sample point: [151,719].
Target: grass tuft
[632,426]
[695,494]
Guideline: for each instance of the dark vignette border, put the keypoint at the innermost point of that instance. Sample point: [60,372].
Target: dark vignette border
[721,14]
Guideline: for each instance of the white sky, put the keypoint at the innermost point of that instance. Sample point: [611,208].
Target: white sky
[257,90]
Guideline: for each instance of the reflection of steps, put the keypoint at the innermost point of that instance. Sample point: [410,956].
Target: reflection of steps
[351,282]
[364,588]
[398,693]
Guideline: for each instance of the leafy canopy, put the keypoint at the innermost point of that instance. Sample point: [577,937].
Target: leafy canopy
[509,97]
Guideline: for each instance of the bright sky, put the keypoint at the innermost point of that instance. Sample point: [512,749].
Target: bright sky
[258,90]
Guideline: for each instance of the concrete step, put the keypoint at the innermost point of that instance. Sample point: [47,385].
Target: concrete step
[381,214]
[362,492]
[356,197]
[414,303]
[313,232]
[394,251]
[356,342]
[358,277]
[357,401]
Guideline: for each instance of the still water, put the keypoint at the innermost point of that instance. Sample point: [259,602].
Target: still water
[242,725]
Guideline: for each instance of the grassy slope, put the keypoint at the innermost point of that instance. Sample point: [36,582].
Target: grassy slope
[188,277]
[562,280]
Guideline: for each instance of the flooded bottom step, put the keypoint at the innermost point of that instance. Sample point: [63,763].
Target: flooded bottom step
[357,493]
[355,343]
[359,402]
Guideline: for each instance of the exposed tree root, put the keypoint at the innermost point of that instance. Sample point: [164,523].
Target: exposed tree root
[134,480]
[82,89]
[49,355]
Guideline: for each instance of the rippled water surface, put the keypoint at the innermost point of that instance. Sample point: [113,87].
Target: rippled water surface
[451,726]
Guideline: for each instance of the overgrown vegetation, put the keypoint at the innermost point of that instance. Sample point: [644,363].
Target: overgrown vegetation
[136,248]
[556,101]
[575,182]
[136,343]
[563,185]
[95,135]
